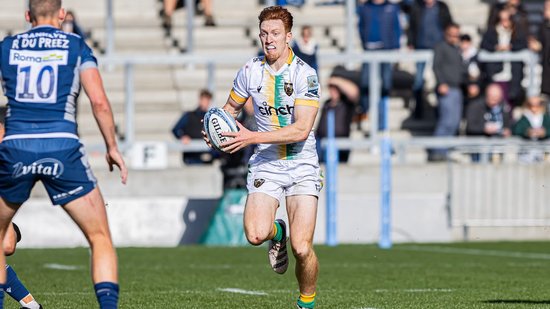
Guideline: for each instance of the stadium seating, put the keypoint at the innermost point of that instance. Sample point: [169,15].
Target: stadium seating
[162,92]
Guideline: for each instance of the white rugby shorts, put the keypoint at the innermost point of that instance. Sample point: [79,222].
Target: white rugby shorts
[282,178]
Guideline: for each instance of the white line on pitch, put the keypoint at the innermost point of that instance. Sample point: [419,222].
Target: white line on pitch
[62,267]
[414,290]
[480,252]
[241,291]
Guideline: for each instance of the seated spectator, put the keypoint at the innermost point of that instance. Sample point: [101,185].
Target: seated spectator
[488,116]
[344,96]
[296,3]
[534,125]
[189,128]
[170,6]
[505,35]
[306,47]
[71,25]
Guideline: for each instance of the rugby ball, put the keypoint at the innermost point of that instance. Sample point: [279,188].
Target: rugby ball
[216,121]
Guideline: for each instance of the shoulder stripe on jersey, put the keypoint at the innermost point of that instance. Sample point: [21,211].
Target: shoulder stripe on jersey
[304,102]
[88,65]
[237,98]
[42,135]
[290,56]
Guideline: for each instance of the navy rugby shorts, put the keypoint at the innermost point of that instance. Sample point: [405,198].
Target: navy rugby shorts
[60,163]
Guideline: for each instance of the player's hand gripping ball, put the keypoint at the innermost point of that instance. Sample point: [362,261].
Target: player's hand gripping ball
[216,121]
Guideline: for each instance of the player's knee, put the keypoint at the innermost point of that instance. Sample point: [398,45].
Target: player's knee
[9,249]
[302,251]
[99,237]
[255,239]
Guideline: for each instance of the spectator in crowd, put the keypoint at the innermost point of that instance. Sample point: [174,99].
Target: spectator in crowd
[189,128]
[344,96]
[517,11]
[533,125]
[379,29]
[427,23]
[450,73]
[306,47]
[296,3]
[469,56]
[504,35]
[488,116]
[542,44]
[71,25]
[170,6]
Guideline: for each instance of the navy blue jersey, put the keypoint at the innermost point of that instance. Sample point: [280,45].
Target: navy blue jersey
[40,73]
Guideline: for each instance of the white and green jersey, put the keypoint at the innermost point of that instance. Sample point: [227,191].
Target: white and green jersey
[275,94]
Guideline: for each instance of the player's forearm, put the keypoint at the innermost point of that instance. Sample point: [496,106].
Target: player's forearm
[232,108]
[105,120]
[290,134]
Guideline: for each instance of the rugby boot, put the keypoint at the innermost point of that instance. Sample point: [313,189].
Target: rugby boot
[277,253]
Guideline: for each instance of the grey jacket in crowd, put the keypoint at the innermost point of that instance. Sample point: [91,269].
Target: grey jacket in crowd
[449,68]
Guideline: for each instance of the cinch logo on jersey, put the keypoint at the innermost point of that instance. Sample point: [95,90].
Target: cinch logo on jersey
[267,110]
[46,167]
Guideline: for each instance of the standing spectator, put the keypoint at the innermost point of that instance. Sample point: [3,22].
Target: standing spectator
[427,23]
[533,125]
[450,72]
[489,115]
[306,47]
[189,127]
[379,29]
[518,13]
[469,56]
[71,25]
[542,45]
[504,35]
[344,96]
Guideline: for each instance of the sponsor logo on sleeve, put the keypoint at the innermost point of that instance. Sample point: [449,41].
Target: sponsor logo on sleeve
[313,85]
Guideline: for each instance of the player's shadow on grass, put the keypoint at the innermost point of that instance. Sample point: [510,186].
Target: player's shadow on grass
[517,301]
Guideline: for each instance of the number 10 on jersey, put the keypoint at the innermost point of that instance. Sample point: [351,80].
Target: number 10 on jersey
[37,73]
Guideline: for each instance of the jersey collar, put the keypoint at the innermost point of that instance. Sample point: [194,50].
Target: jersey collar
[43,26]
[290,58]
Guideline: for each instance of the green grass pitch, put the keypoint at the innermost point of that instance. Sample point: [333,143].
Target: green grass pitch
[461,275]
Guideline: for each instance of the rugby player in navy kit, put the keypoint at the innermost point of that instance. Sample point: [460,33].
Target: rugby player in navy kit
[41,72]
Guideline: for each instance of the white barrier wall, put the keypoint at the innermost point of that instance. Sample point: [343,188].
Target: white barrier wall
[174,206]
[133,222]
